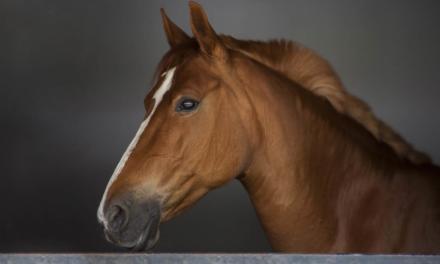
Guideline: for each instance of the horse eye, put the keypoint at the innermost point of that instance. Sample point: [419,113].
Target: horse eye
[186,105]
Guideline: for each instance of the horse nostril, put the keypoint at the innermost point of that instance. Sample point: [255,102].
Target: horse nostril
[117,218]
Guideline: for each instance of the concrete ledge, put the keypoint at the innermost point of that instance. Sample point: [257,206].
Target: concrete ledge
[216,258]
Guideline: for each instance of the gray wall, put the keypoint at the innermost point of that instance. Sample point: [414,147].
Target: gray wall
[74,74]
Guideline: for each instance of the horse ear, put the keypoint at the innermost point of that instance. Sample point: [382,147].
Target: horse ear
[175,35]
[209,42]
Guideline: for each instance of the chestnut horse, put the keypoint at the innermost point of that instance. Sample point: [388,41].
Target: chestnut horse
[323,173]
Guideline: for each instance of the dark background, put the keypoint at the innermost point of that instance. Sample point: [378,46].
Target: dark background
[73,78]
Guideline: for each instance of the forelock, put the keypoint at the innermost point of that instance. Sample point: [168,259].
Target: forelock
[175,57]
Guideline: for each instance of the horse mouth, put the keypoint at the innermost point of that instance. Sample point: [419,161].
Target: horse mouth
[148,238]
[145,241]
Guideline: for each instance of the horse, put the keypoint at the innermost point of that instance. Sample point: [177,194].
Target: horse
[324,174]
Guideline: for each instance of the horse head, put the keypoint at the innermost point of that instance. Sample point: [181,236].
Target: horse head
[191,140]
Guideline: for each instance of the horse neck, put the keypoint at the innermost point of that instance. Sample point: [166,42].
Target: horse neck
[305,152]
[315,74]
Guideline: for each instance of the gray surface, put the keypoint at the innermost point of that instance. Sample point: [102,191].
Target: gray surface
[217,258]
[73,78]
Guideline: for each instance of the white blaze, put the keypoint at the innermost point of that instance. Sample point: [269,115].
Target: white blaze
[166,85]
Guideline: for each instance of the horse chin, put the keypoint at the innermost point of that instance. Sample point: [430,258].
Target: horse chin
[148,238]
[146,241]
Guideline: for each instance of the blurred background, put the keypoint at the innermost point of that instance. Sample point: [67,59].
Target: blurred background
[74,75]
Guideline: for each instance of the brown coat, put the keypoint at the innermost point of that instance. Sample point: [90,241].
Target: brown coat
[324,174]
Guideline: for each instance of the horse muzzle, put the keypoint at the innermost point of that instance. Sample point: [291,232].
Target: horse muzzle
[131,224]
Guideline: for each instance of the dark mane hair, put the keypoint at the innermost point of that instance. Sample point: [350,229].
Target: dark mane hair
[314,73]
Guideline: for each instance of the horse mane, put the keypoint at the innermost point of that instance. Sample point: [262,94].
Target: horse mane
[314,73]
